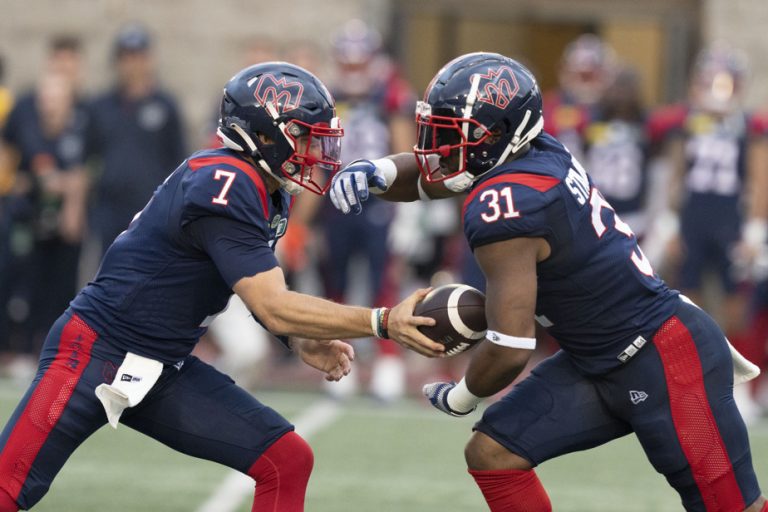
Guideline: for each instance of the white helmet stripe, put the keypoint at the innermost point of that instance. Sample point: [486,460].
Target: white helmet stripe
[455,318]
[467,113]
[228,142]
[246,138]
[274,114]
[519,130]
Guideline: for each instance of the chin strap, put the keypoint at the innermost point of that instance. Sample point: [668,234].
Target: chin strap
[460,182]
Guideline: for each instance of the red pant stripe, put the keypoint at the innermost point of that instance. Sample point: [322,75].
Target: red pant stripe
[46,405]
[694,422]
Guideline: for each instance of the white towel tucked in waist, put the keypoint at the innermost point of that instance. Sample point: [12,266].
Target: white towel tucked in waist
[132,382]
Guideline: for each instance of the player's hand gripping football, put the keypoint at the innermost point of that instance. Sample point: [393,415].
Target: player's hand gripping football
[403,326]
[437,394]
[333,357]
[351,186]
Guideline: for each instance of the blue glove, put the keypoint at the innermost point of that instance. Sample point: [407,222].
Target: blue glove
[351,186]
[437,394]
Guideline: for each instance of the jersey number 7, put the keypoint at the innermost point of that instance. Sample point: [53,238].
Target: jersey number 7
[229,177]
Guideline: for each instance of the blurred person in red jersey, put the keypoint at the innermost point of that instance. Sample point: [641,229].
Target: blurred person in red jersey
[587,68]
[616,148]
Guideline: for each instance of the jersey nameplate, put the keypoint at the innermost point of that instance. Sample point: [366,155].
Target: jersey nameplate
[578,183]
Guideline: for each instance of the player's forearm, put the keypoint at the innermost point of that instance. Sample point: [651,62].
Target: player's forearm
[284,312]
[493,368]
[306,316]
[404,186]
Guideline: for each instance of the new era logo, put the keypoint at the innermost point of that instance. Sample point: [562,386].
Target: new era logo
[637,396]
[129,378]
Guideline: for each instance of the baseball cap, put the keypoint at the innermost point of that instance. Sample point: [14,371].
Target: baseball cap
[132,38]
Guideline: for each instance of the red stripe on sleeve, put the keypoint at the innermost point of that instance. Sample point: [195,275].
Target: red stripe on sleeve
[694,422]
[46,405]
[534,181]
[198,163]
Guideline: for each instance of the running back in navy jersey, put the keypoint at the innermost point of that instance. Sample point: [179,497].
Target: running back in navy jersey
[157,289]
[596,292]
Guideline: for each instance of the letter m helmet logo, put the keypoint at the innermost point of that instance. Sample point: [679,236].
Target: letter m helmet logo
[498,87]
[283,94]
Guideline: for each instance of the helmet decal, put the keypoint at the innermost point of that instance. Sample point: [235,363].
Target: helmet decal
[478,110]
[497,87]
[283,117]
[285,95]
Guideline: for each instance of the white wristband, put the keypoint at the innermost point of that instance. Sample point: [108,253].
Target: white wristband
[388,171]
[375,321]
[461,399]
[510,341]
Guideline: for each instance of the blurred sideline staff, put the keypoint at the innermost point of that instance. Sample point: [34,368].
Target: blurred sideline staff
[45,201]
[136,135]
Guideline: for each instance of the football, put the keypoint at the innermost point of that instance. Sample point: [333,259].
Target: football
[460,314]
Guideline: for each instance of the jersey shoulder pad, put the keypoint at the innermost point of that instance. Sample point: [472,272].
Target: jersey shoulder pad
[507,206]
[561,116]
[224,185]
[666,121]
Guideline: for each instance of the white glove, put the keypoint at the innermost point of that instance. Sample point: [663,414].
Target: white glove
[351,186]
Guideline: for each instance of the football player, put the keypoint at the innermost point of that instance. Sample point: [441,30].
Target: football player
[587,69]
[616,149]
[711,144]
[637,357]
[121,352]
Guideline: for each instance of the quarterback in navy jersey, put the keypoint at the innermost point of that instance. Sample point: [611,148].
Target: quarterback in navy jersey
[121,351]
[636,356]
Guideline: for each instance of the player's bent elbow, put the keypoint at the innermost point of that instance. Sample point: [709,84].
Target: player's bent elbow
[273,323]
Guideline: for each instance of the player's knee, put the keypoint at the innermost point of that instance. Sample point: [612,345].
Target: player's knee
[484,453]
[289,457]
[300,458]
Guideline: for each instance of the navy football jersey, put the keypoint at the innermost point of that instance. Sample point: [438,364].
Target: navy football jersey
[209,224]
[716,159]
[616,156]
[596,292]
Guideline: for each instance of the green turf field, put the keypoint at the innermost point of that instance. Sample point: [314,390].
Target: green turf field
[400,458]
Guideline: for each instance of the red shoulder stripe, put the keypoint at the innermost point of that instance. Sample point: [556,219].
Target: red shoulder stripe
[197,163]
[534,181]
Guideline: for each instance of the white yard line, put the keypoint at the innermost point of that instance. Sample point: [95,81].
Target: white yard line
[236,486]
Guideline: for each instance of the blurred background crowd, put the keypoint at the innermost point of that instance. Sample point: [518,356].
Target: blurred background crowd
[664,105]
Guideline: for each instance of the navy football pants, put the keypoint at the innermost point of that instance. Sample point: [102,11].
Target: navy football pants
[676,395]
[194,409]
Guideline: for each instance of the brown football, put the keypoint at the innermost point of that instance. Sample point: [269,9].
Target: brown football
[459,311]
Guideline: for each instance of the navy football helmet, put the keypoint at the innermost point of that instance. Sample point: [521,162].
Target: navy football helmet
[284,117]
[719,76]
[478,110]
[587,67]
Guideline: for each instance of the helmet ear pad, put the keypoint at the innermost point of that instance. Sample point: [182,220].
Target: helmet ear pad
[491,142]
